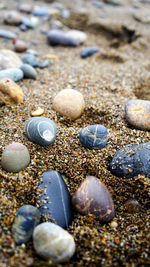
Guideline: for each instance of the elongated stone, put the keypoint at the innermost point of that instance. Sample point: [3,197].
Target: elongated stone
[41,130]
[26,219]
[14,74]
[53,199]
[88,51]
[58,37]
[7,34]
[29,71]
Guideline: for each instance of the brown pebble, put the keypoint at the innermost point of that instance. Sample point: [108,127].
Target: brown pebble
[20,46]
[10,92]
[12,17]
[93,197]
[132,205]
[69,103]
[38,112]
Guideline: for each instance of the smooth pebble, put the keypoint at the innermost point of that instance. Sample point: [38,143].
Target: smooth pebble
[58,37]
[29,71]
[9,59]
[12,17]
[14,74]
[20,46]
[7,34]
[30,59]
[89,51]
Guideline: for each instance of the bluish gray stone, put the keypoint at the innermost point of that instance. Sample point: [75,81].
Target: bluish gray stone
[89,51]
[44,64]
[14,74]
[25,221]
[132,160]
[40,11]
[93,136]
[65,13]
[7,34]
[41,130]
[27,22]
[29,71]
[58,37]
[54,199]
[30,59]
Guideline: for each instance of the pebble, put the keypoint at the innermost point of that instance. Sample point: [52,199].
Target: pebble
[69,103]
[20,46]
[137,113]
[38,112]
[30,59]
[113,224]
[32,52]
[29,71]
[10,92]
[15,157]
[41,130]
[7,34]
[14,74]
[26,219]
[58,37]
[23,28]
[132,206]
[9,59]
[44,64]
[51,242]
[25,7]
[92,197]
[40,11]
[79,36]
[89,51]
[53,199]
[27,22]
[93,136]
[65,13]
[12,17]
[132,160]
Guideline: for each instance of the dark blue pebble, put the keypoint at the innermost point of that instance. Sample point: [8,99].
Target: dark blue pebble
[88,52]
[132,160]
[41,130]
[25,221]
[58,37]
[40,11]
[94,136]
[53,199]
[30,59]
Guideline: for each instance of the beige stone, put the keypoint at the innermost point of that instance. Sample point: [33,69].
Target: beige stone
[10,92]
[38,112]
[69,103]
[12,17]
[9,59]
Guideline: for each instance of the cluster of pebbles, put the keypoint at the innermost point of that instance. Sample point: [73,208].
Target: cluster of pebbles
[62,196]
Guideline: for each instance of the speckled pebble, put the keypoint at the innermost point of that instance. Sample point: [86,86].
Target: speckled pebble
[15,157]
[137,113]
[69,103]
[41,130]
[29,71]
[88,51]
[53,199]
[51,242]
[132,160]
[26,219]
[92,197]
[93,136]
[15,74]
[30,59]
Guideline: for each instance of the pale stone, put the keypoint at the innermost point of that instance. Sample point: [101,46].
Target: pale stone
[10,92]
[38,112]
[9,59]
[78,35]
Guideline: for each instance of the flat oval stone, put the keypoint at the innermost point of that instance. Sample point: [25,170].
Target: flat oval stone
[14,74]
[53,199]
[69,103]
[132,160]
[40,11]
[26,219]
[28,71]
[15,157]
[89,51]
[9,59]
[12,17]
[30,59]
[137,113]
[10,92]
[92,197]
[51,242]
[7,34]
[41,130]
[58,37]
[93,136]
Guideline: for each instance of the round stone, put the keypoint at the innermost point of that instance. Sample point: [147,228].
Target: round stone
[30,59]
[15,157]
[9,59]
[12,17]
[20,46]
[26,219]
[94,136]
[41,130]
[10,92]
[69,103]
[137,113]
[92,197]
[132,206]
[51,242]
[29,71]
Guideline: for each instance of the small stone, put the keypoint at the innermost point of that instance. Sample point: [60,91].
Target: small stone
[32,52]
[53,57]
[20,46]
[12,18]
[93,136]
[51,242]
[27,22]
[23,28]
[10,92]
[79,36]
[26,219]
[89,51]
[65,13]
[132,206]
[25,7]
[132,160]
[40,11]
[44,64]
[29,71]
[7,34]
[38,112]
[137,113]
[69,103]
[31,60]
[41,130]
[9,59]
[58,37]
[15,157]
[13,73]
[53,199]
[113,224]
[92,197]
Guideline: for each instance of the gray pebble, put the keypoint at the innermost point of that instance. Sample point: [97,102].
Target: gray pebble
[14,74]
[30,59]
[44,64]
[7,34]
[29,71]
